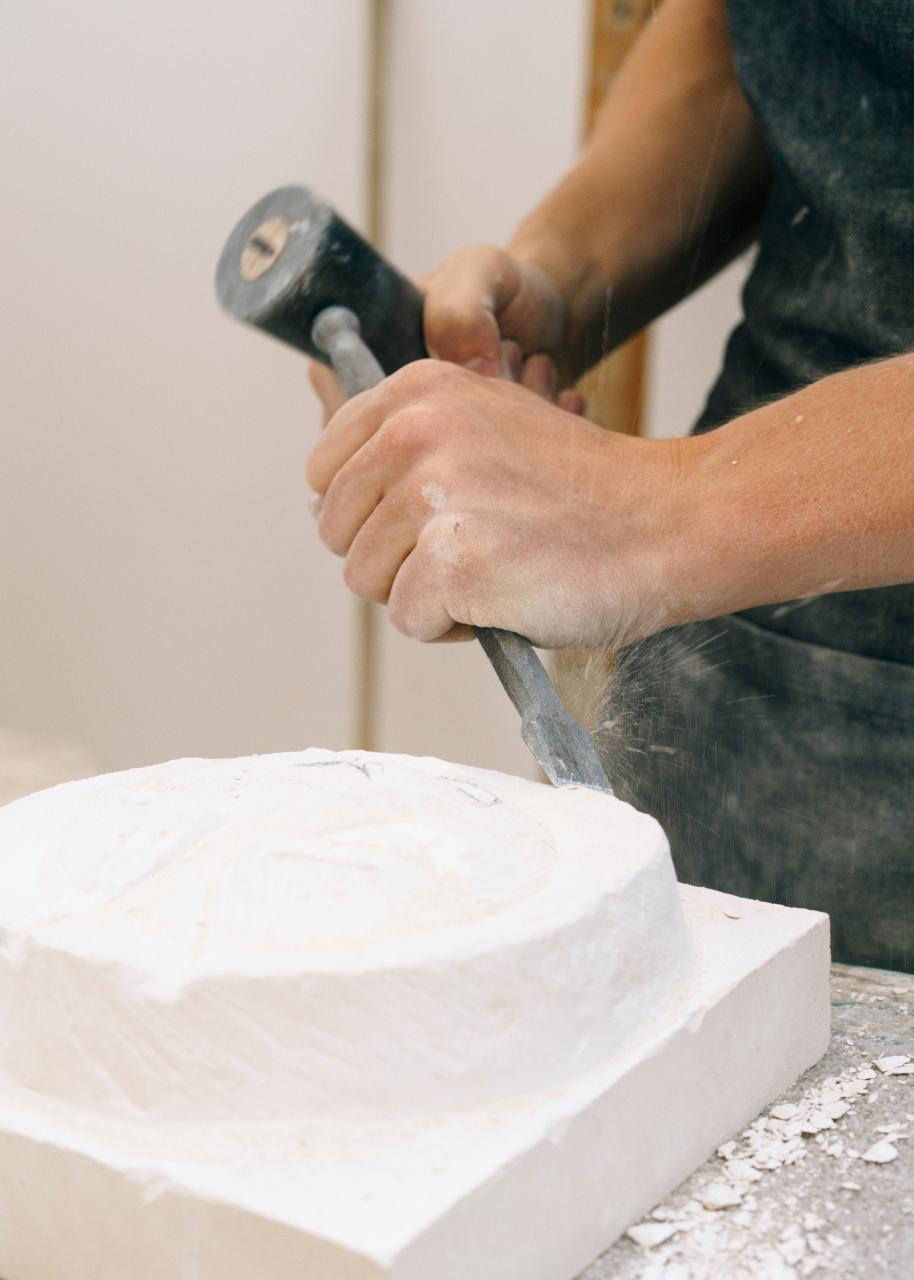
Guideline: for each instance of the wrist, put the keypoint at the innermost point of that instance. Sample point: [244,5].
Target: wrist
[650,567]
[708,559]
[601,266]
[559,253]
[738,543]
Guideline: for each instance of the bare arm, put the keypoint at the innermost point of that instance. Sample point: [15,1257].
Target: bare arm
[809,495]
[668,190]
[575,537]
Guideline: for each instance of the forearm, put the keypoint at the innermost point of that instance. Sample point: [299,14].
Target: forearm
[805,496]
[667,191]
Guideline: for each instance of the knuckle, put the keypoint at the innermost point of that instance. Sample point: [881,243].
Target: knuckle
[456,331]
[480,259]
[414,622]
[409,430]
[351,576]
[354,577]
[362,579]
[399,614]
[421,493]
[413,378]
[445,314]
[466,572]
[453,556]
[403,604]
[314,471]
[462,574]
[493,263]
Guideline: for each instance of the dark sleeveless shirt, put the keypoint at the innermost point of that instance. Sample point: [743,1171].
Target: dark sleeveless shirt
[776,746]
[832,82]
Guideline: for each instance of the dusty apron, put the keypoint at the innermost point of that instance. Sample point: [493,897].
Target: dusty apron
[777,745]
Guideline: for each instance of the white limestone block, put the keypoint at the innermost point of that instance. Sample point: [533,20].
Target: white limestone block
[352,1016]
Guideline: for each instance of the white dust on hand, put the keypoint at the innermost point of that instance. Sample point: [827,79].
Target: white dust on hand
[445,542]
[434,496]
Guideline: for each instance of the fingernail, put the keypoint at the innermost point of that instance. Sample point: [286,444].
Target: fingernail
[314,504]
[572,402]
[485,365]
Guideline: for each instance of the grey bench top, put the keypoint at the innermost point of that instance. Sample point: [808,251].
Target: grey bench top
[824,1211]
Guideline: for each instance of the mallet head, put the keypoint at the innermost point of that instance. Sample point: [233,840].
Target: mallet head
[291,256]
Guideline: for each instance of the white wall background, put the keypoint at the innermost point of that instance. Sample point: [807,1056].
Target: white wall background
[161,588]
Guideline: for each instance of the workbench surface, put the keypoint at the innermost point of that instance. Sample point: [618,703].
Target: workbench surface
[824,1210]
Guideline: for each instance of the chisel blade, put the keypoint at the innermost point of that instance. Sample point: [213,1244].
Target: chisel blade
[563,748]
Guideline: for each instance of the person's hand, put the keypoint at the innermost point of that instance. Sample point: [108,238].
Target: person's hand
[481,295]
[459,500]
[536,373]
[488,311]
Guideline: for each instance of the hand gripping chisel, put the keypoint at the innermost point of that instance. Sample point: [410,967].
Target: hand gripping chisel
[295,269]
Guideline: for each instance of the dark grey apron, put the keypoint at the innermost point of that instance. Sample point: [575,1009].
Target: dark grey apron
[777,746]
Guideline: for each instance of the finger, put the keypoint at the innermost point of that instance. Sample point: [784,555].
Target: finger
[464,295]
[572,401]
[440,568]
[396,405]
[411,606]
[352,495]
[357,421]
[539,376]
[352,425]
[377,473]
[378,551]
[326,384]
[458,634]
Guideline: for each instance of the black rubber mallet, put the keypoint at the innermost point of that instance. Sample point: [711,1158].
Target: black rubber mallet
[295,269]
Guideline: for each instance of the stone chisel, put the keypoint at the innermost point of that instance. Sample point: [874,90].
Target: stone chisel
[295,269]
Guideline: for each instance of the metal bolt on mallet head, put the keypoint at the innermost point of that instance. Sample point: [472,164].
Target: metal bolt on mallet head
[263,247]
[291,256]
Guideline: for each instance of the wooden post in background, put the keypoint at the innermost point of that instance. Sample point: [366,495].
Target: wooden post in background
[367,692]
[615,387]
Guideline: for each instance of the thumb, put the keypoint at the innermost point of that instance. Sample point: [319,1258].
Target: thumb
[463,298]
